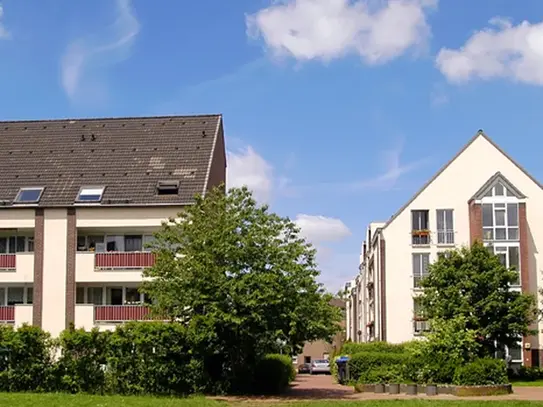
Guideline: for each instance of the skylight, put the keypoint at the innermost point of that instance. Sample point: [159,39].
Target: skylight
[168,187]
[29,195]
[90,194]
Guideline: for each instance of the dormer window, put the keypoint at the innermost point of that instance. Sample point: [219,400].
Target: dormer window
[29,195]
[90,194]
[168,187]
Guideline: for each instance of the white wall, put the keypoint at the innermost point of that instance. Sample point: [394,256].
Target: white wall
[124,217]
[24,270]
[84,316]
[23,315]
[451,190]
[54,271]
[17,218]
[86,273]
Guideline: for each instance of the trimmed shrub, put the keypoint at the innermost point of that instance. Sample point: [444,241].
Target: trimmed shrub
[26,359]
[362,366]
[373,347]
[273,374]
[527,374]
[481,372]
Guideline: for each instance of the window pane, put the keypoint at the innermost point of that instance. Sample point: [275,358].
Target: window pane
[513,233]
[509,192]
[15,295]
[132,296]
[2,296]
[490,250]
[500,217]
[500,234]
[512,214]
[503,258]
[449,219]
[487,215]
[114,296]
[80,295]
[488,234]
[133,243]
[514,257]
[499,190]
[115,244]
[29,195]
[489,192]
[440,219]
[21,244]
[515,353]
[29,295]
[82,243]
[12,245]
[425,263]
[30,244]
[94,295]
[96,243]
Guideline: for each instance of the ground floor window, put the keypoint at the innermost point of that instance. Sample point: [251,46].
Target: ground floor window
[16,295]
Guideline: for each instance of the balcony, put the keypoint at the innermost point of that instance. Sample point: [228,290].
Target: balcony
[8,262]
[420,237]
[123,260]
[7,314]
[445,237]
[121,313]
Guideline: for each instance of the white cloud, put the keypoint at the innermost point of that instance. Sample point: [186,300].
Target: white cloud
[87,56]
[4,33]
[330,29]
[318,228]
[248,168]
[502,50]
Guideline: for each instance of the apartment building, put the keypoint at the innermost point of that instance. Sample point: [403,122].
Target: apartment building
[79,200]
[481,194]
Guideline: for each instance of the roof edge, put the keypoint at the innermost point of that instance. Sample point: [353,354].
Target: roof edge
[212,155]
[80,119]
[480,133]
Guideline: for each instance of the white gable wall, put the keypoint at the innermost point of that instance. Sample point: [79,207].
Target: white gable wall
[451,190]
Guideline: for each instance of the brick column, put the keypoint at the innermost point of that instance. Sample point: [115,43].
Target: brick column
[524,271]
[475,222]
[71,247]
[37,300]
[383,290]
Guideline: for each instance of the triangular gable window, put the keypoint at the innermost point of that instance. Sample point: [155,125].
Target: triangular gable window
[498,186]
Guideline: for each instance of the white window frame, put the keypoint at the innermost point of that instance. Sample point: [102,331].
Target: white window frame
[420,267]
[104,294]
[17,200]
[4,300]
[447,233]
[497,246]
[145,238]
[90,191]
[507,227]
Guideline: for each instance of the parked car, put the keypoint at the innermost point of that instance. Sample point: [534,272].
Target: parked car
[320,366]
[304,368]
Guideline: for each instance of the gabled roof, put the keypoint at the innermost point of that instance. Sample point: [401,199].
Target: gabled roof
[495,179]
[127,156]
[479,133]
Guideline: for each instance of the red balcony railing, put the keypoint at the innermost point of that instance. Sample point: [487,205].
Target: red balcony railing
[121,313]
[7,313]
[7,261]
[124,260]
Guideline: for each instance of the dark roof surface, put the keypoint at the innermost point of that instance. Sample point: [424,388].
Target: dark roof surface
[127,156]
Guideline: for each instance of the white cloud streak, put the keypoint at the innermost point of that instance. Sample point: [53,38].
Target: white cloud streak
[248,168]
[317,228]
[502,50]
[4,33]
[88,55]
[330,29]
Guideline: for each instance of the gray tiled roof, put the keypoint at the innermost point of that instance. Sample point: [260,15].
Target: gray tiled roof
[128,156]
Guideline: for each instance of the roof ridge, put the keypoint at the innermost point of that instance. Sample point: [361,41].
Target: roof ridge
[111,118]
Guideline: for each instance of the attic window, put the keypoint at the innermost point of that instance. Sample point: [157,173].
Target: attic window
[29,195]
[90,194]
[167,187]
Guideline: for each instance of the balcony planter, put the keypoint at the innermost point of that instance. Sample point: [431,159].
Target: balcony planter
[379,388]
[421,232]
[431,389]
[394,388]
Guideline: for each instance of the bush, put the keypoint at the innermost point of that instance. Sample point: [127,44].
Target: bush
[352,348]
[528,374]
[26,360]
[363,366]
[273,374]
[481,372]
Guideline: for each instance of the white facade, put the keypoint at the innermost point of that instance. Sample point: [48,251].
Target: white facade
[481,194]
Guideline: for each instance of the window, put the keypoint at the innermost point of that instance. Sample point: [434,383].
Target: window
[29,295]
[500,221]
[445,227]
[420,227]
[420,267]
[90,194]
[132,296]
[2,296]
[420,323]
[114,295]
[133,243]
[94,295]
[15,295]
[29,195]
[168,187]
[307,359]
[510,257]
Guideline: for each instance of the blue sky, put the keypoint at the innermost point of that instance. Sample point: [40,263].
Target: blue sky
[335,111]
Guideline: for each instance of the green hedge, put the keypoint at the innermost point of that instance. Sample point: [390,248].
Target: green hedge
[379,367]
[352,348]
[137,358]
[481,372]
[273,374]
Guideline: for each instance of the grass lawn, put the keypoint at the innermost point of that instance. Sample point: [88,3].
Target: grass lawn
[64,400]
[537,383]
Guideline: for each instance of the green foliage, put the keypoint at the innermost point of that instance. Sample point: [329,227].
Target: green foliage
[472,283]
[80,366]
[26,362]
[350,348]
[273,374]
[247,279]
[448,345]
[481,372]
[527,374]
[367,366]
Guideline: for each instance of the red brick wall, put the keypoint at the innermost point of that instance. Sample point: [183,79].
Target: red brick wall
[383,291]
[524,271]
[475,222]
[38,268]
[71,247]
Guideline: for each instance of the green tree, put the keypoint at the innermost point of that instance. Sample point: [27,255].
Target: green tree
[241,278]
[473,283]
